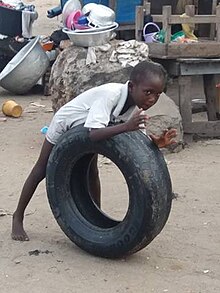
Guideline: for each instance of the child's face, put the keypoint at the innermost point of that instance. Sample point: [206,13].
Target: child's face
[147,92]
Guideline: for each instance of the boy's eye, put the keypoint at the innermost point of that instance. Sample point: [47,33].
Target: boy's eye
[148,93]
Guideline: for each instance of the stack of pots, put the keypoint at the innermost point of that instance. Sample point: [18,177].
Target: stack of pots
[90,25]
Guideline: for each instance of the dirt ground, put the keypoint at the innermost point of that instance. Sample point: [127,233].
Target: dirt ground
[183,258]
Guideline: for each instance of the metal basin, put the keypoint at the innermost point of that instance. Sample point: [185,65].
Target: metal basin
[25,69]
[90,39]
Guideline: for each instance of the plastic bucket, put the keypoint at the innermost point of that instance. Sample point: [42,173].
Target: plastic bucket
[149,31]
[11,108]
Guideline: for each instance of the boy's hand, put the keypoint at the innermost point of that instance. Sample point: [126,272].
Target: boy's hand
[137,121]
[166,139]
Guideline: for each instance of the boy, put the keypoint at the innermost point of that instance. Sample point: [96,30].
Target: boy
[96,108]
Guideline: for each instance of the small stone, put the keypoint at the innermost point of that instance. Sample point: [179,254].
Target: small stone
[17,262]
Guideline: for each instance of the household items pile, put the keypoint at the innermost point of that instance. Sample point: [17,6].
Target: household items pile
[90,25]
[153,33]
[16,18]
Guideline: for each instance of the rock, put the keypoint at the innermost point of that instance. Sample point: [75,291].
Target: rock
[70,75]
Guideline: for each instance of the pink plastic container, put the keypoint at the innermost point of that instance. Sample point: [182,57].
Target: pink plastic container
[72,19]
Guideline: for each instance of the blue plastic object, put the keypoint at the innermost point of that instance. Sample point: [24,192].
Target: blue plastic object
[56,10]
[44,129]
[103,2]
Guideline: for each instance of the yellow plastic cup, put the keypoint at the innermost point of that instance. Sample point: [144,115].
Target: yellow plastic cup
[11,108]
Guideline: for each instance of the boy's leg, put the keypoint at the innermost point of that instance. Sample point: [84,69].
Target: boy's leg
[94,182]
[36,176]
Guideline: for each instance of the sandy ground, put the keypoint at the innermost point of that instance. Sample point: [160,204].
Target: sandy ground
[183,258]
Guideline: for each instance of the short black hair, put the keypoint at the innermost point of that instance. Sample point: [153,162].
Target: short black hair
[147,69]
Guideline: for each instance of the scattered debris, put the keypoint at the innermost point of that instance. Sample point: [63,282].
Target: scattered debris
[17,262]
[3,213]
[48,110]
[53,270]
[30,110]
[175,195]
[3,119]
[36,252]
[35,104]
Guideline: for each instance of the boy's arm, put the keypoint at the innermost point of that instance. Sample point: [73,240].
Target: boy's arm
[134,123]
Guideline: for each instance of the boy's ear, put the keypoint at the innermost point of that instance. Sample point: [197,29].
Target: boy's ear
[130,85]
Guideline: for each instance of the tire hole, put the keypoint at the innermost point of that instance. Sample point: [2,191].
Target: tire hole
[114,190]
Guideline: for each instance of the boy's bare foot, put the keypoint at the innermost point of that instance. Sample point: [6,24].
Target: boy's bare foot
[18,232]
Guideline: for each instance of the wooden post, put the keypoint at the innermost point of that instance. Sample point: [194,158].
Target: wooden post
[218,24]
[217,79]
[190,10]
[147,7]
[166,26]
[211,96]
[196,4]
[139,22]
[146,2]
[213,25]
[112,4]
[185,103]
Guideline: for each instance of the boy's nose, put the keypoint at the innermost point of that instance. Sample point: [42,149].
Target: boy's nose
[153,98]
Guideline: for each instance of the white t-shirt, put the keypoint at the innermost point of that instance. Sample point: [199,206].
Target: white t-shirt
[95,108]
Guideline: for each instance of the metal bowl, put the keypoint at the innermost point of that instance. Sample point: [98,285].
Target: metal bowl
[91,39]
[101,15]
[25,69]
[88,7]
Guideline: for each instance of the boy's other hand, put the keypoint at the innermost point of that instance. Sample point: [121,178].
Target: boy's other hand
[137,121]
[166,139]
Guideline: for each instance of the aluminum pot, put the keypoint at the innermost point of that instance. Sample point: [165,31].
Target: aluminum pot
[88,7]
[101,15]
[91,39]
[25,69]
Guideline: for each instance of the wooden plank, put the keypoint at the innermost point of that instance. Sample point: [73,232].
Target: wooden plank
[203,128]
[200,49]
[157,50]
[198,68]
[190,50]
[197,19]
[185,103]
[174,19]
[210,94]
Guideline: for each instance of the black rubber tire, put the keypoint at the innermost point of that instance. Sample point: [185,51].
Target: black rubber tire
[149,185]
